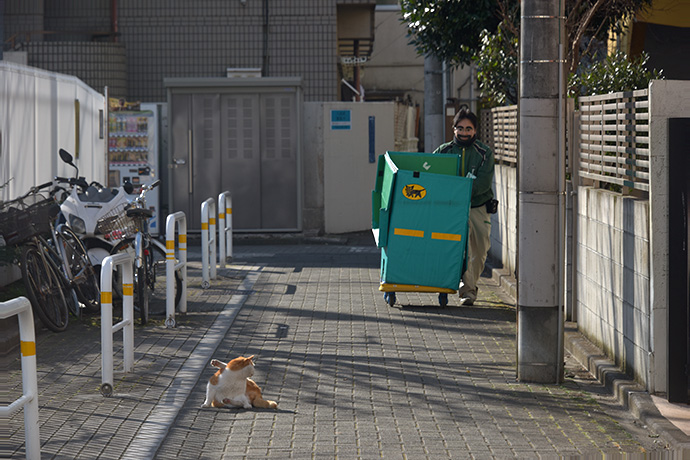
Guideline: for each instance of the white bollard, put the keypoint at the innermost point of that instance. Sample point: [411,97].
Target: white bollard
[208,242]
[180,220]
[29,399]
[224,227]
[124,261]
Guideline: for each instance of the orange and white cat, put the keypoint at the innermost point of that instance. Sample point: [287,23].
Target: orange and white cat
[232,385]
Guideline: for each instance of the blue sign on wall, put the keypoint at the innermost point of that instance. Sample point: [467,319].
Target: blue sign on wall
[341,119]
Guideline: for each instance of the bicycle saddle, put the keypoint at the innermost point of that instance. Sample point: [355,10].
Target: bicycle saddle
[138,212]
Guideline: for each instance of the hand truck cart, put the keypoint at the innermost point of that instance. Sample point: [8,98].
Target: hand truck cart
[420,212]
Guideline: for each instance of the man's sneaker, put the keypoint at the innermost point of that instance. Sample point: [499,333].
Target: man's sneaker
[467,301]
[468,297]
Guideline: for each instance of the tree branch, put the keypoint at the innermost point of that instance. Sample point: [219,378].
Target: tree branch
[581,31]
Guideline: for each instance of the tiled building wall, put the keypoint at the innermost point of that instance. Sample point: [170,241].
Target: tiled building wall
[96,64]
[200,38]
[23,17]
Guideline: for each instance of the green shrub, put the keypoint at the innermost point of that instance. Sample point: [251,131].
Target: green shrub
[614,74]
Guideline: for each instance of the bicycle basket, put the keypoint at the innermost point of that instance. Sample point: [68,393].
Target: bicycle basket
[23,219]
[116,225]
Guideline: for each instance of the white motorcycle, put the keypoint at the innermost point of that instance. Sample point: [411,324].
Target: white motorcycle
[85,204]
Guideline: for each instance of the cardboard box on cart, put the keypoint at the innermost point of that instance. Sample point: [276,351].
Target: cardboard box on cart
[420,211]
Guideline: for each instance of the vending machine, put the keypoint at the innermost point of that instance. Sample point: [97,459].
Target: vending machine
[133,151]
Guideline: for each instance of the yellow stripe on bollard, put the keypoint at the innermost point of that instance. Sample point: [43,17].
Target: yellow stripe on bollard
[106,297]
[127,289]
[446,236]
[221,215]
[408,232]
[183,239]
[169,244]
[204,225]
[28,348]
[228,211]
[212,221]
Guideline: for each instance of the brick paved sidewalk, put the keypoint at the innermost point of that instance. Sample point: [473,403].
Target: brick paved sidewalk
[353,377]
[75,420]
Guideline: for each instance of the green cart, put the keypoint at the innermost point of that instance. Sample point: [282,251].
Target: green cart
[420,211]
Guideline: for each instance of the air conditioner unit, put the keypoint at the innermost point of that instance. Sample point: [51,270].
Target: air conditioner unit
[233,72]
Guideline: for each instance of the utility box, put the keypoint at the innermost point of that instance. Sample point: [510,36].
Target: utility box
[420,212]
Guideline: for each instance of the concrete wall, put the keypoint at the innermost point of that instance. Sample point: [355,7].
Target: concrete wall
[504,223]
[348,173]
[667,99]
[613,276]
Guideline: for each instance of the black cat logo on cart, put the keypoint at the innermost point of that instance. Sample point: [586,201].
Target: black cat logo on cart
[414,192]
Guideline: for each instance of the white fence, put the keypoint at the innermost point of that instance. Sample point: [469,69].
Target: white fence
[41,112]
[125,262]
[174,220]
[614,139]
[29,399]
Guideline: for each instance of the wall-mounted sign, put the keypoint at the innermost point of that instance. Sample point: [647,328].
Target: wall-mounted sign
[341,119]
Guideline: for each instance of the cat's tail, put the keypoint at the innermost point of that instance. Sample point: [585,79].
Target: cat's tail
[264,403]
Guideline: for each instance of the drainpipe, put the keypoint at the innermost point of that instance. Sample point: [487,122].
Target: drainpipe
[264,70]
[113,20]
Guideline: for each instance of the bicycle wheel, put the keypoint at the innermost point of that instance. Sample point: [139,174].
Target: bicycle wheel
[139,284]
[81,271]
[152,294]
[48,296]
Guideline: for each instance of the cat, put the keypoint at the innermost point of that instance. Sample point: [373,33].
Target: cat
[231,385]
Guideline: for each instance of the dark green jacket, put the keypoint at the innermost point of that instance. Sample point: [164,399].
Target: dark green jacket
[477,159]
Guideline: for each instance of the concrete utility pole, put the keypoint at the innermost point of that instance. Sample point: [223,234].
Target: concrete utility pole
[433,103]
[541,184]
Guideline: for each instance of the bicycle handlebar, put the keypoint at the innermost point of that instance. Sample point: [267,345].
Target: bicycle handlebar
[72,181]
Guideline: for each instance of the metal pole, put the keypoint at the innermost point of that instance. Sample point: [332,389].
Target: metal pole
[540,194]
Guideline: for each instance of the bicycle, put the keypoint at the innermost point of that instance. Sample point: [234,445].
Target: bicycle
[55,267]
[148,253]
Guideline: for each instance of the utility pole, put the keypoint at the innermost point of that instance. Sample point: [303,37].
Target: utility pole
[541,185]
[434,121]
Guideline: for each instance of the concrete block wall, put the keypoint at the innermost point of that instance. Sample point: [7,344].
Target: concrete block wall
[503,249]
[613,277]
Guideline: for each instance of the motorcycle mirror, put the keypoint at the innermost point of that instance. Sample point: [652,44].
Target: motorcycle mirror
[66,157]
[128,187]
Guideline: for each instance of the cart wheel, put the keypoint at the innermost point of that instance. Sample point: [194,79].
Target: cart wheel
[389,297]
[170,322]
[443,299]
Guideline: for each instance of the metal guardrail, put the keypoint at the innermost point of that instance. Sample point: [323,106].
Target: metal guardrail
[29,399]
[178,220]
[125,262]
[614,139]
[224,227]
[208,242]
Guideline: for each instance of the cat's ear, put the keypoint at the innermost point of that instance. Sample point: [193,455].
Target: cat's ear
[251,358]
